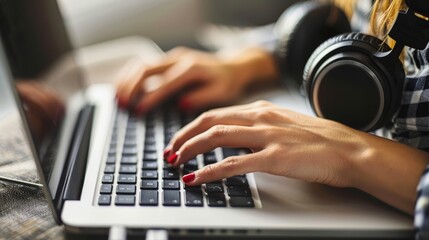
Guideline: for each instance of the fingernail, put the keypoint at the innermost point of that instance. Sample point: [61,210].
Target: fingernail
[122,103]
[139,110]
[185,105]
[167,152]
[172,157]
[189,177]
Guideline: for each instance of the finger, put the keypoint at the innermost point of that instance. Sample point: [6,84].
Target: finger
[177,52]
[202,98]
[235,115]
[178,77]
[132,77]
[231,166]
[218,136]
[127,78]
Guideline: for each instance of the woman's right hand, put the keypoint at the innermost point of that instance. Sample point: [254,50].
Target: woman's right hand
[200,80]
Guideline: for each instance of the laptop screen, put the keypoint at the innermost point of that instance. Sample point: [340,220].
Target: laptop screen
[45,75]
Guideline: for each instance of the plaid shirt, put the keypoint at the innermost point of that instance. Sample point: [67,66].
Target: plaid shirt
[411,126]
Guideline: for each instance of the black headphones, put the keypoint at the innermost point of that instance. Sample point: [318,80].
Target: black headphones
[356,79]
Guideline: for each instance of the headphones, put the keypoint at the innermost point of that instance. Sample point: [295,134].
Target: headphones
[356,79]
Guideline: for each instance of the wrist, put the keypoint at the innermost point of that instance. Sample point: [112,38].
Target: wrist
[390,171]
[252,65]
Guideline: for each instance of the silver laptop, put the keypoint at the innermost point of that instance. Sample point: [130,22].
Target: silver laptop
[102,168]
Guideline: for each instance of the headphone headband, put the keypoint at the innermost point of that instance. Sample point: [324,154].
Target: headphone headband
[411,29]
[419,6]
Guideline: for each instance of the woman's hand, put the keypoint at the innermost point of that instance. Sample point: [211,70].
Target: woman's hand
[293,145]
[199,80]
[283,143]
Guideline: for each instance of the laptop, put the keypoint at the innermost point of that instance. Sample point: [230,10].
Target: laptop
[102,168]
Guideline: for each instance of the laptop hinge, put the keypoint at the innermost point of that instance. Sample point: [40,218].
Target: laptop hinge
[74,170]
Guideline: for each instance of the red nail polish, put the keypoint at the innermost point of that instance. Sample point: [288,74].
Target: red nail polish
[185,105]
[122,103]
[139,110]
[167,152]
[172,158]
[188,177]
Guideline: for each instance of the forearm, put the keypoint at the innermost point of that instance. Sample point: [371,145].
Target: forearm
[390,171]
[253,65]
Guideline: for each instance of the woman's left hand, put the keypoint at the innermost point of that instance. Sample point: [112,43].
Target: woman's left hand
[282,142]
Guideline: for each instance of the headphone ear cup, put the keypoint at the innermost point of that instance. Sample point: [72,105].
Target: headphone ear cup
[303,27]
[329,47]
[348,79]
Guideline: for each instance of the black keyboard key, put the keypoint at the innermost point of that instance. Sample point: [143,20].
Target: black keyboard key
[127,179]
[128,169]
[104,200]
[149,184]
[111,160]
[171,184]
[191,165]
[107,178]
[149,174]
[150,129]
[130,143]
[193,188]
[130,139]
[125,200]
[129,160]
[131,131]
[150,148]
[237,181]
[125,189]
[227,152]
[129,151]
[149,198]
[209,158]
[106,188]
[151,165]
[194,199]
[172,174]
[112,152]
[150,156]
[171,198]
[214,188]
[110,168]
[150,140]
[216,200]
[239,191]
[241,202]
[187,171]
[132,122]
[167,166]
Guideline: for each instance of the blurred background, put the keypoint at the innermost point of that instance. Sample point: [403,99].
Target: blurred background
[168,22]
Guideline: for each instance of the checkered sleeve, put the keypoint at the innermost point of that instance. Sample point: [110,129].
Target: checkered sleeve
[411,127]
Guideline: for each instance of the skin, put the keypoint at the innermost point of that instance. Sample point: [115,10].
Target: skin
[197,78]
[293,145]
[282,142]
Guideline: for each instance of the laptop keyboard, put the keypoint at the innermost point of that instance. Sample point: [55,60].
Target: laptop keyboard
[136,175]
